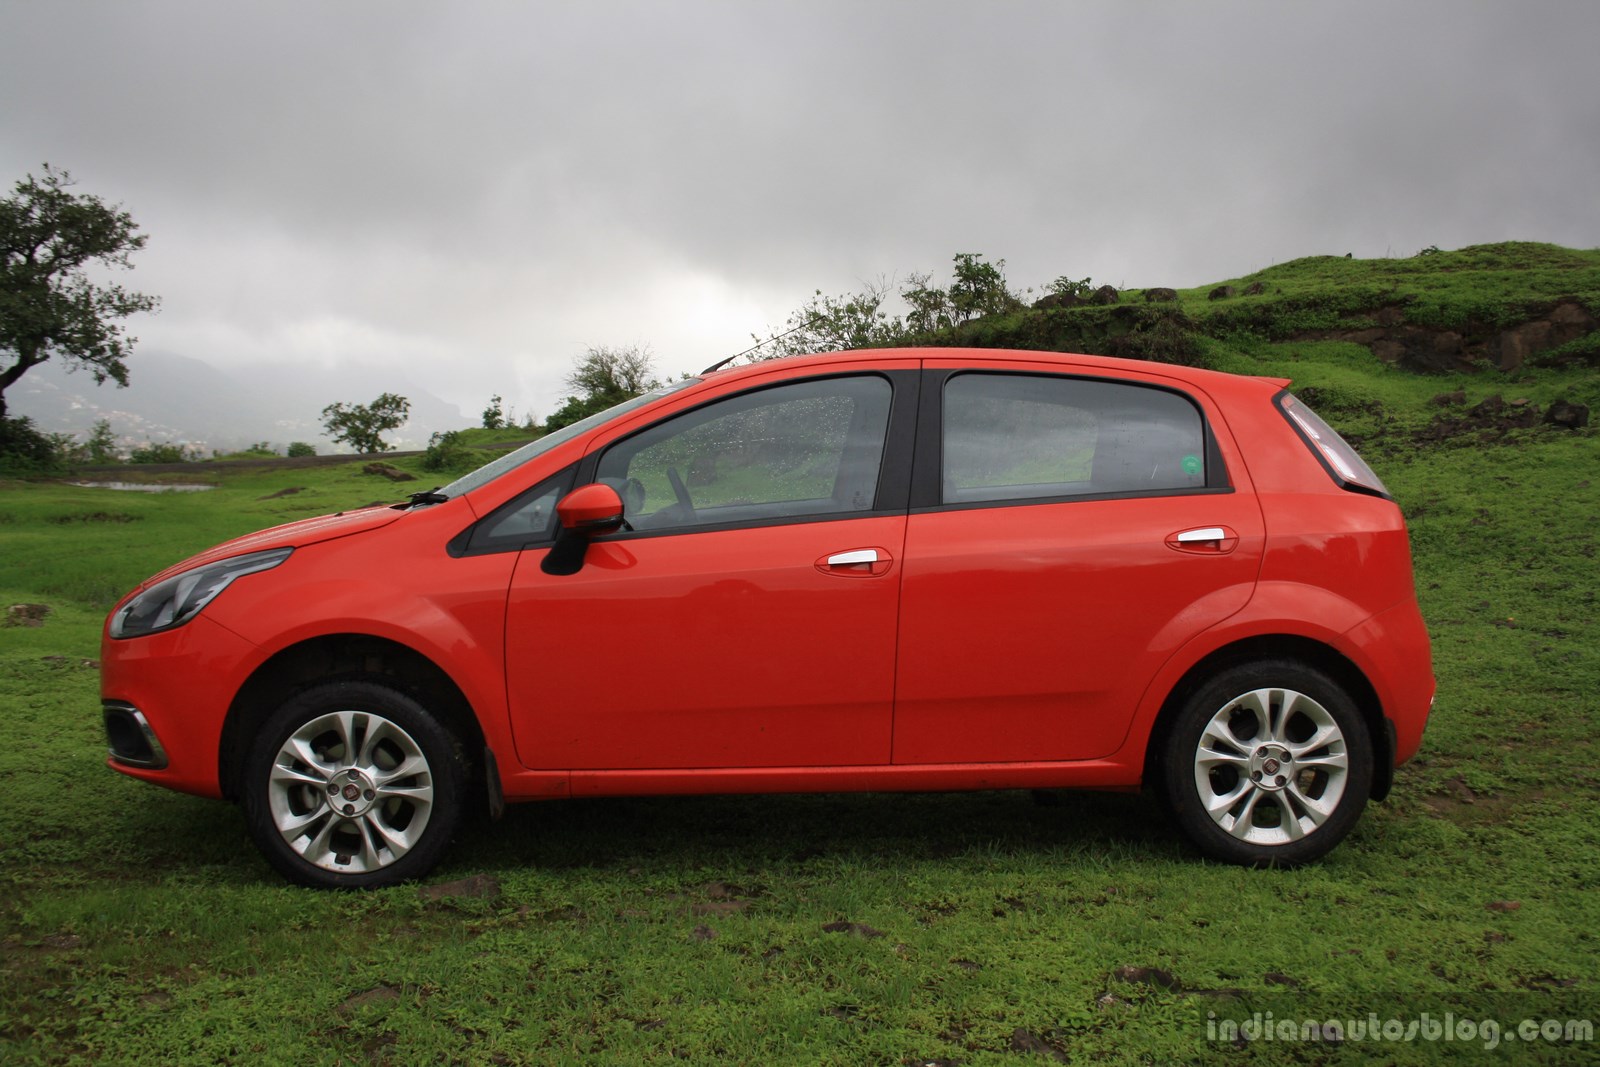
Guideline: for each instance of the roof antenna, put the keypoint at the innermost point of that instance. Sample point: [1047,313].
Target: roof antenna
[719,364]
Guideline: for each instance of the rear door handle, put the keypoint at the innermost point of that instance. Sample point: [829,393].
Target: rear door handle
[1205,540]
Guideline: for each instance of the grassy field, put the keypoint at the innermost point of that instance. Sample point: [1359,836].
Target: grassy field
[139,926]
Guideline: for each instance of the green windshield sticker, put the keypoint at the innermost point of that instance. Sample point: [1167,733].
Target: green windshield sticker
[1191,464]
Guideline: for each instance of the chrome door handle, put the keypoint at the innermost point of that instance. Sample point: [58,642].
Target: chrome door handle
[1204,541]
[1210,533]
[860,555]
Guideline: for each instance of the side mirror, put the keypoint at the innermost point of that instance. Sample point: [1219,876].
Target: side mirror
[590,509]
[586,511]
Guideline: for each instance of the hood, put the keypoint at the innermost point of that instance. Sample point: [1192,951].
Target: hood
[290,535]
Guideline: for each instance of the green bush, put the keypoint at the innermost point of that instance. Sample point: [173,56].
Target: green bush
[165,452]
[25,449]
[447,452]
[297,449]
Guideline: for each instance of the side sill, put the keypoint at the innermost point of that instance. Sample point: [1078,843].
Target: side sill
[1100,774]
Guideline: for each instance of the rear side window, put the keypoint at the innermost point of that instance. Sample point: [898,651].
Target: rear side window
[1023,436]
[1335,454]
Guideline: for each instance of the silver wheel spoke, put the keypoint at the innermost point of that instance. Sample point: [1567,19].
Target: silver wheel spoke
[398,842]
[298,750]
[1287,704]
[1218,806]
[1316,810]
[288,776]
[413,765]
[1241,825]
[1333,761]
[345,723]
[314,848]
[291,825]
[368,859]
[1218,739]
[1205,761]
[421,795]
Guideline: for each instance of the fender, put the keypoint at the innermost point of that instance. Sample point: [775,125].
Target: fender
[1288,609]
[462,631]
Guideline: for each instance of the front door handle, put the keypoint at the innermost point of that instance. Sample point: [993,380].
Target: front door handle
[856,563]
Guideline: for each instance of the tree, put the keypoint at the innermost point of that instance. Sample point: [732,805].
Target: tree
[836,323]
[48,305]
[859,320]
[980,288]
[494,416]
[602,378]
[361,426]
[101,447]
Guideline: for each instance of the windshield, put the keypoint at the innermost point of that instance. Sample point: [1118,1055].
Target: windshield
[511,460]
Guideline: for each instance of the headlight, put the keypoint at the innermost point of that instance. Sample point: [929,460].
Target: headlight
[178,599]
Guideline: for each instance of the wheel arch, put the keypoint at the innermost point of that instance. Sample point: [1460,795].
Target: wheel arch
[345,657]
[1306,650]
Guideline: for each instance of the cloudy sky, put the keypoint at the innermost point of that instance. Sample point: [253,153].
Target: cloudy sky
[471,192]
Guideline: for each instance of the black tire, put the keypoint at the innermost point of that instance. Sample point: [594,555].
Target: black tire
[1268,764]
[321,798]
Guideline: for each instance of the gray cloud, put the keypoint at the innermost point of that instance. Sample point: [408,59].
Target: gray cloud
[474,191]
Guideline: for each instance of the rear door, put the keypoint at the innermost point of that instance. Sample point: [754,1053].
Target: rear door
[1067,534]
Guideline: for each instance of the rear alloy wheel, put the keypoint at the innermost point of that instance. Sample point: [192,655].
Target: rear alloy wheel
[1268,764]
[353,784]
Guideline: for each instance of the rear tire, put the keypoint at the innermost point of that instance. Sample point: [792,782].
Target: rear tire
[353,785]
[1268,764]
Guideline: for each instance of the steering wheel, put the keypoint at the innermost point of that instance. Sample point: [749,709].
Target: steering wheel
[679,491]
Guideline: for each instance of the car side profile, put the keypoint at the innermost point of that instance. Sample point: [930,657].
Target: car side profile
[937,569]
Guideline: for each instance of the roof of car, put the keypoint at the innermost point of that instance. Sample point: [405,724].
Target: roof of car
[980,356]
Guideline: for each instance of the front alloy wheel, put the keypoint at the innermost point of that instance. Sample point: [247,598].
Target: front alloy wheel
[1268,764]
[353,784]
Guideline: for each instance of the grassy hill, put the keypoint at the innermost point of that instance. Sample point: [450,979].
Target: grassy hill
[140,926]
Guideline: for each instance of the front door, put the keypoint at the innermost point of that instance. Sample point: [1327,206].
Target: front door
[747,618]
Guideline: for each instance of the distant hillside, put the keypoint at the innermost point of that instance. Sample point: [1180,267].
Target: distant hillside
[172,398]
[1499,306]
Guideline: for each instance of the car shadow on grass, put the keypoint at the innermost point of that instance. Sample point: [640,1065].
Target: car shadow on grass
[757,831]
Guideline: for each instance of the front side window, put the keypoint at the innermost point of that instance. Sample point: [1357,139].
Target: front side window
[1027,436]
[804,449]
[512,460]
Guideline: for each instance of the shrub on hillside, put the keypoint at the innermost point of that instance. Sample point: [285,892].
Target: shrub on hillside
[26,449]
[165,452]
[447,452]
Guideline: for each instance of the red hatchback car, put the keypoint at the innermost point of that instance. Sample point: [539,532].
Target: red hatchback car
[935,569]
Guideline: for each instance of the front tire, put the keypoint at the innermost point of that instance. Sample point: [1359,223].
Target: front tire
[1268,764]
[353,785]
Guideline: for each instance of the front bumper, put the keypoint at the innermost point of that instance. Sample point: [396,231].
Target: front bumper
[165,698]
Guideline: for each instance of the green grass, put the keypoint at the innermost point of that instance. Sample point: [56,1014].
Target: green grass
[140,926]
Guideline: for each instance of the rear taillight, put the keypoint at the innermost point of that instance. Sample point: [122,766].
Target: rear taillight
[1335,454]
